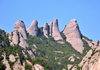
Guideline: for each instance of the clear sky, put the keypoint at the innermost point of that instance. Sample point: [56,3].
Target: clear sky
[87,13]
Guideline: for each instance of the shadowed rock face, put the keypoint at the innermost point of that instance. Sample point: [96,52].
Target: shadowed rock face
[33,29]
[46,30]
[20,27]
[55,30]
[50,28]
[73,35]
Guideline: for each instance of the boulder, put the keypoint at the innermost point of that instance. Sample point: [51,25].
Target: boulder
[12,58]
[38,67]
[20,27]
[33,29]
[73,35]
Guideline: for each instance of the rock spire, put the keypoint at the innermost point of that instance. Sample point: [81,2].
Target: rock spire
[55,30]
[73,34]
[20,27]
[33,29]
[46,30]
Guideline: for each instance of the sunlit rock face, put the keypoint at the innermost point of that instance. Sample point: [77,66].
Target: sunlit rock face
[73,35]
[55,30]
[20,27]
[46,30]
[33,29]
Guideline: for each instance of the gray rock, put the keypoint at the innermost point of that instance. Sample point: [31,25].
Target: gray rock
[22,43]
[20,27]
[73,34]
[46,30]
[96,43]
[50,28]
[17,66]
[12,58]
[5,61]
[15,39]
[33,29]
[92,63]
[55,30]
[38,67]
[31,54]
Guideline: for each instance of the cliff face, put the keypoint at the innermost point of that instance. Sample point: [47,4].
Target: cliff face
[73,35]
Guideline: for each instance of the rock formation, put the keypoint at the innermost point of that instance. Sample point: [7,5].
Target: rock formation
[73,35]
[33,29]
[20,27]
[15,38]
[46,30]
[92,60]
[55,30]
[50,28]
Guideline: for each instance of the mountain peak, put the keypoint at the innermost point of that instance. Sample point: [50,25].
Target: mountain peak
[33,29]
[20,27]
[73,35]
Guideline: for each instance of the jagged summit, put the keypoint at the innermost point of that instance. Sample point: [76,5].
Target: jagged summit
[19,52]
[73,35]
[33,29]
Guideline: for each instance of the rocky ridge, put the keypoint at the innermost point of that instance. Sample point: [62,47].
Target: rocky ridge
[90,61]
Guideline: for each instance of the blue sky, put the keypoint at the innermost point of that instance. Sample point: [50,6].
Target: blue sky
[87,13]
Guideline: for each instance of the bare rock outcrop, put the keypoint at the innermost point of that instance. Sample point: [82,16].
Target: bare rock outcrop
[92,62]
[73,34]
[38,67]
[15,38]
[22,42]
[20,27]
[5,61]
[50,28]
[33,29]
[12,58]
[35,66]
[55,30]
[18,66]
[46,30]
[96,43]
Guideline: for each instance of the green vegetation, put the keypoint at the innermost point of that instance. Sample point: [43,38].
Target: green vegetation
[28,67]
[86,47]
[50,54]
[53,52]
[86,38]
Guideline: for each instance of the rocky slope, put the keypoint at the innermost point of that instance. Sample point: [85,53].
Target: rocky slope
[45,48]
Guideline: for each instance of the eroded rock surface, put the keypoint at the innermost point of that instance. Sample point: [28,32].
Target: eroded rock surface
[55,30]
[33,29]
[20,27]
[73,34]
[46,30]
